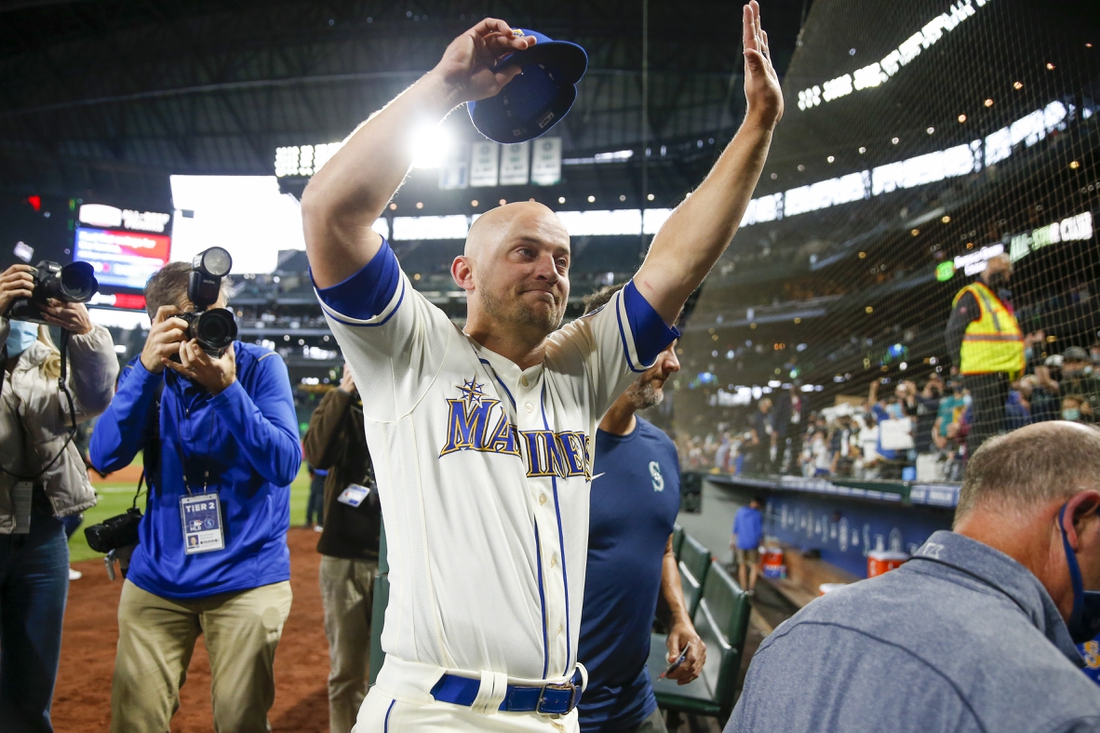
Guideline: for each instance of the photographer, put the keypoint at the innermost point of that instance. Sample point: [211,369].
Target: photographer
[349,544]
[221,444]
[42,480]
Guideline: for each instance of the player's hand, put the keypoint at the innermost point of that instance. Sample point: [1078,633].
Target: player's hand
[72,317]
[347,382]
[165,336]
[214,374]
[762,92]
[467,65]
[683,634]
[16,282]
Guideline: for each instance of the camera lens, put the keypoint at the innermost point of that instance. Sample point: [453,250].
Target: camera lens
[78,283]
[215,329]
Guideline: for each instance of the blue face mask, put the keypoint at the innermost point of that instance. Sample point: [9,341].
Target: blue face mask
[1071,414]
[1084,621]
[20,336]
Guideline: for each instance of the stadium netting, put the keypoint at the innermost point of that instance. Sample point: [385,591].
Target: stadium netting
[920,140]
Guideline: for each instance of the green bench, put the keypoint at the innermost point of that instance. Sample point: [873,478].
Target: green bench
[722,621]
[694,562]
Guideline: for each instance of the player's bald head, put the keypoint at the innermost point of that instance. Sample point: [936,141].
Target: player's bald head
[508,222]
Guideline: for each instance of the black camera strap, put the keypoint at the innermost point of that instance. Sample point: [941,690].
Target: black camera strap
[61,382]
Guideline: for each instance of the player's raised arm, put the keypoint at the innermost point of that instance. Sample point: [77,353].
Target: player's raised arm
[699,230]
[350,192]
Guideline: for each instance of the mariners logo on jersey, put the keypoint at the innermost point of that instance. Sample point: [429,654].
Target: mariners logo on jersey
[476,421]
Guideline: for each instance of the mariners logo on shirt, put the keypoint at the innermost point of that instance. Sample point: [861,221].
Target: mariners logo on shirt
[476,421]
[658,479]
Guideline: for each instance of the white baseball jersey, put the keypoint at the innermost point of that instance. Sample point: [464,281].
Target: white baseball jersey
[483,469]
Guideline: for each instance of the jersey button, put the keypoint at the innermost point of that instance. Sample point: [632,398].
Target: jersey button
[542,498]
[559,629]
[554,560]
[524,381]
[529,407]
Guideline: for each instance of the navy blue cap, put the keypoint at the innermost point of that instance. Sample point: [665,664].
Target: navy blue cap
[536,99]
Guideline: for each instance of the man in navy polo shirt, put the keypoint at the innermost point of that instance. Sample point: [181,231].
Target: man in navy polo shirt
[634,501]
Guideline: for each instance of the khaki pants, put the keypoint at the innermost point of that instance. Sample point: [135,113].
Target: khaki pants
[347,591]
[155,641]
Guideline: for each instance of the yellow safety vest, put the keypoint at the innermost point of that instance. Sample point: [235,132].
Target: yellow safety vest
[993,343]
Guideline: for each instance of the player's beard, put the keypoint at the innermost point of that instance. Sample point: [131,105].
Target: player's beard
[644,395]
[516,312]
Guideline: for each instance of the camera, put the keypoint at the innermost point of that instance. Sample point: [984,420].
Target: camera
[114,533]
[72,283]
[214,328]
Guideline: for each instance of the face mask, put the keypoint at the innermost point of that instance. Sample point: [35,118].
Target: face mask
[20,336]
[1084,621]
[997,281]
[1071,414]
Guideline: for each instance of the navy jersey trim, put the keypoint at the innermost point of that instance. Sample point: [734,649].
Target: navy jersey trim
[561,547]
[542,600]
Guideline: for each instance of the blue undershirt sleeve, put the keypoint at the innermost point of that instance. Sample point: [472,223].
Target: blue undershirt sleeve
[651,335]
[365,294]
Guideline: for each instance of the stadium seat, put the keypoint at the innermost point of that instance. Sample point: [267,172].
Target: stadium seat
[694,561]
[722,621]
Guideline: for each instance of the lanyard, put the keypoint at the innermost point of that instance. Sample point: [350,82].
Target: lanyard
[183,455]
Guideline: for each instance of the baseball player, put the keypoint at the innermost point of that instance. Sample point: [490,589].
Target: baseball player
[483,433]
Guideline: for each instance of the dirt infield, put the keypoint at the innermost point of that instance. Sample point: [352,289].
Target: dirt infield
[82,700]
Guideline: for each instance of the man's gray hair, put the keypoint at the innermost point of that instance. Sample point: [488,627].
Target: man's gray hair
[1036,464]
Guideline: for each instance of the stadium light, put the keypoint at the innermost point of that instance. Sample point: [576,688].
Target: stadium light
[430,147]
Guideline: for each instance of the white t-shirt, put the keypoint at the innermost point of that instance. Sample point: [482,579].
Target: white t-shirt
[483,469]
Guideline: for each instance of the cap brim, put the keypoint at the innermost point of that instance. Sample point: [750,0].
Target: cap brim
[568,58]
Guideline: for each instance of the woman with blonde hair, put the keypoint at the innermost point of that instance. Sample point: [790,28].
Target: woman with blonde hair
[42,480]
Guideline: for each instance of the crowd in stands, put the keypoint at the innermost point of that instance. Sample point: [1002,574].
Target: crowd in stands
[916,431]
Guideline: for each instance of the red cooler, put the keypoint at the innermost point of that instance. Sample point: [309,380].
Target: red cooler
[772,561]
[881,561]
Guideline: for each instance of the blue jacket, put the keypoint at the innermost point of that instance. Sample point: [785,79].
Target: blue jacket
[246,438]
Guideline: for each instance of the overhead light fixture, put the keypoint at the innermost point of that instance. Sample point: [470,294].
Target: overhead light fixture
[962,118]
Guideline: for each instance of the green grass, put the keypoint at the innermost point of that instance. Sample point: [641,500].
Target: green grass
[117,498]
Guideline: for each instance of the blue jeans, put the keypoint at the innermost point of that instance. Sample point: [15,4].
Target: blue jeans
[34,583]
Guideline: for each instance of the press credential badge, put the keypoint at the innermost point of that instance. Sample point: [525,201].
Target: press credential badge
[202,523]
[353,495]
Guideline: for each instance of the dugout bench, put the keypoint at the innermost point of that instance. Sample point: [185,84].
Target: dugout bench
[720,613]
